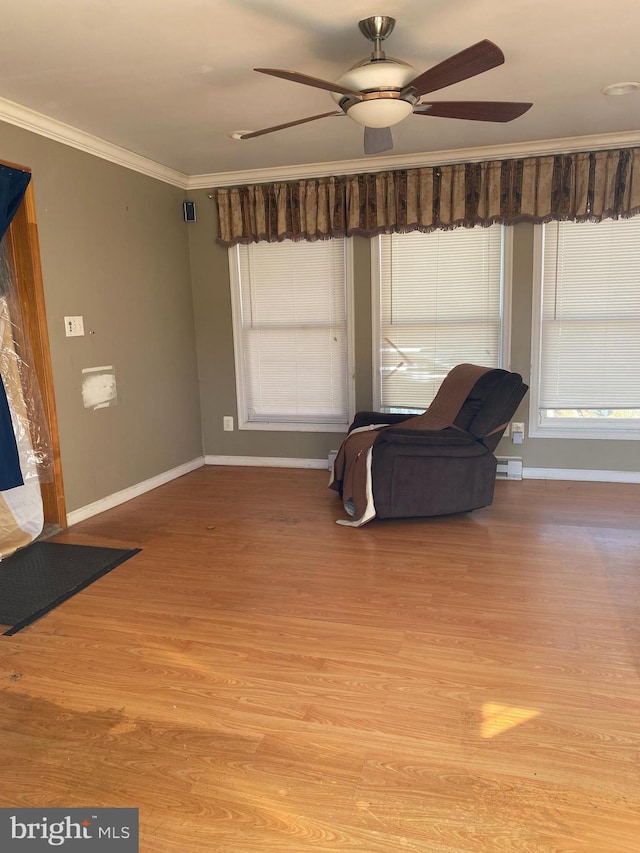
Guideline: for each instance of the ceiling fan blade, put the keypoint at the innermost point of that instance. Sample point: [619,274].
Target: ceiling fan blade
[377,140]
[474,110]
[480,57]
[264,130]
[296,77]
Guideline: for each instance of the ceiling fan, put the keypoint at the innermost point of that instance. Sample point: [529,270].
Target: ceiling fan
[379,91]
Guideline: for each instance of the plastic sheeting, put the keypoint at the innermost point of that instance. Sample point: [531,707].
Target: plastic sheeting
[16,358]
[21,511]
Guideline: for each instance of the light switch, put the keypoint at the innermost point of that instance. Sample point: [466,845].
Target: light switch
[73,327]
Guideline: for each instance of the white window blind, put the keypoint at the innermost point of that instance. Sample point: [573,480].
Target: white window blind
[590,319]
[290,334]
[441,304]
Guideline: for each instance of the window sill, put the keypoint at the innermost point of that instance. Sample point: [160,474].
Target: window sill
[585,433]
[277,426]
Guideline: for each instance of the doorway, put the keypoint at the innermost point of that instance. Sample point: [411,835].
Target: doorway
[24,255]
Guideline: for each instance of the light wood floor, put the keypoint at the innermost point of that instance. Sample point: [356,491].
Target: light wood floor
[261,679]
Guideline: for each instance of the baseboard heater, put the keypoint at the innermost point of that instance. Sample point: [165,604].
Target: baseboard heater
[509,468]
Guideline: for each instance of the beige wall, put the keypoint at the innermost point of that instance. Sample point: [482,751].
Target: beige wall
[210,276]
[114,249]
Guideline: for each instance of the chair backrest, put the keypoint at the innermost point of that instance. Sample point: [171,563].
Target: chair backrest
[490,406]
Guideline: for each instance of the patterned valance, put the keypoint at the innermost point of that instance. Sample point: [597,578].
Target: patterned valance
[581,186]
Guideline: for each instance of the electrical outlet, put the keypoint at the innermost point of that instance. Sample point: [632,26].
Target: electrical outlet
[227,423]
[517,433]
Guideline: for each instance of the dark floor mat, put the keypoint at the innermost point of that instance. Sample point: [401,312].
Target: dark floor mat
[40,577]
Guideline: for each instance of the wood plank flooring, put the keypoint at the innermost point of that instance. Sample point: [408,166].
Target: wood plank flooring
[259,678]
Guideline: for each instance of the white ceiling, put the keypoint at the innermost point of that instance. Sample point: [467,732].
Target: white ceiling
[169,79]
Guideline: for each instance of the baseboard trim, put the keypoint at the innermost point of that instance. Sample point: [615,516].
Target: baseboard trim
[111,501]
[125,495]
[266,461]
[585,475]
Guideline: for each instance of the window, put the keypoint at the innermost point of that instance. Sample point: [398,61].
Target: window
[440,299]
[586,330]
[291,313]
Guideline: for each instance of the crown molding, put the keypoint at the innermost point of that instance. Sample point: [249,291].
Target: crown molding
[43,125]
[536,148]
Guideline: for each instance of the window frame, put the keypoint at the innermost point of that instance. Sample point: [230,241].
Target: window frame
[504,349]
[581,428]
[243,421]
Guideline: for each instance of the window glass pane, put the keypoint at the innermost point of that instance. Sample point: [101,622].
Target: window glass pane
[590,323]
[292,332]
[441,299]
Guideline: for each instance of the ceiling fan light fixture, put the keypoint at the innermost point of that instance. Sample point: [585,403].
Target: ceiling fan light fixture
[381,81]
[380,112]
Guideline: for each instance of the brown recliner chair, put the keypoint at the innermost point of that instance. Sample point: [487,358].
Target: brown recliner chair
[437,472]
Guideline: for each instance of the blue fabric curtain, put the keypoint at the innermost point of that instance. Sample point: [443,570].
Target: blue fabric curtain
[13,184]
[10,473]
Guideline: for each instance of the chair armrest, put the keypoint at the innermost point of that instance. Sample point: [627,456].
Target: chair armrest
[362,419]
[426,437]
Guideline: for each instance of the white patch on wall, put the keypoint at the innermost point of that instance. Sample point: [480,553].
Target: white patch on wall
[99,387]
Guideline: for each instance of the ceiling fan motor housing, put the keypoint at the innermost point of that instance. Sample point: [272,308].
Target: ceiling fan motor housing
[386,100]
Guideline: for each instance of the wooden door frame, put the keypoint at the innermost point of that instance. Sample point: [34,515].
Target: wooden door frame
[24,250]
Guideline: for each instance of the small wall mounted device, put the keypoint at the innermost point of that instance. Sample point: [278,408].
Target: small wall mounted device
[189,211]
[517,433]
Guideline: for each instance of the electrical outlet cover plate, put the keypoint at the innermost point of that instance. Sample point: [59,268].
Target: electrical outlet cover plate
[73,327]
[517,433]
